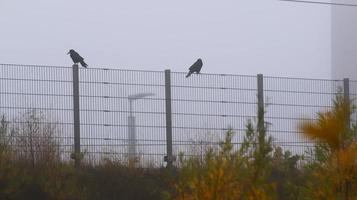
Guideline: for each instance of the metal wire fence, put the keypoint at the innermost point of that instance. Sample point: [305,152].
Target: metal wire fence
[37,102]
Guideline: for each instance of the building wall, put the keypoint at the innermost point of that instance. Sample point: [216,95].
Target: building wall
[344,42]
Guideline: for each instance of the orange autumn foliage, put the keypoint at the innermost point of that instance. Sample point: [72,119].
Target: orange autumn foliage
[330,126]
[344,161]
[336,176]
[214,177]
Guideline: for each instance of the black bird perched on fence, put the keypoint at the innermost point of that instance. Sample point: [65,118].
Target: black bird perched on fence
[77,58]
[196,67]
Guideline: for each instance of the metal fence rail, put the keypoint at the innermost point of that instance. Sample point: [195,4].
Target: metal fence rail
[123,112]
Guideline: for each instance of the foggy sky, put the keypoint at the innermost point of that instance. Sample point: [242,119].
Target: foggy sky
[232,36]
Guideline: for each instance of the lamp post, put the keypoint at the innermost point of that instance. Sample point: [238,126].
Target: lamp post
[131,125]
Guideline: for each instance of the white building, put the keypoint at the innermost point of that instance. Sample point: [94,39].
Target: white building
[344,42]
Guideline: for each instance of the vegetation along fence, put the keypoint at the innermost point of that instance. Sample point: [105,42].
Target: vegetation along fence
[149,117]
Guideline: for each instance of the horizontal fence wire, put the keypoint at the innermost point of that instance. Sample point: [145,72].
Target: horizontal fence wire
[218,103]
[37,105]
[290,101]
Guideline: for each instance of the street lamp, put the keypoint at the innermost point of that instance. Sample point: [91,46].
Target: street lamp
[131,125]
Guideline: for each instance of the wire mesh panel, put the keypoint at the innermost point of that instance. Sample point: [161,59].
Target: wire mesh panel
[112,99]
[353,97]
[33,98]
[290,101]
[205,106]
[36,102]
[123,116]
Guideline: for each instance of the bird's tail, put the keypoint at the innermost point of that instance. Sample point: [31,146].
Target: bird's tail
[84,64]
[189,74]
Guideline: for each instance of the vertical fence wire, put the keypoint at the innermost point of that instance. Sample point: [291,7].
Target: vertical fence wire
[353,98]
[206,106]
[36,102]
[105,110]
[290,101]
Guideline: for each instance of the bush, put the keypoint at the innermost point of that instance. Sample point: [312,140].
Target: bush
[30,166]
[213,177]
[113,180]
[30,161]
[228,174]
[333,175]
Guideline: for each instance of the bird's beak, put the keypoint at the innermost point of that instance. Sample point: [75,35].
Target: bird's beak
[68,53]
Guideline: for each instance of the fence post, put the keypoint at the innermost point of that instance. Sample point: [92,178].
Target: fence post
[346,95]
[260,103]
[169,157]
[76,119]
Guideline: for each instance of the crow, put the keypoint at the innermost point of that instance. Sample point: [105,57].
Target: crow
[196,67]
[77,58]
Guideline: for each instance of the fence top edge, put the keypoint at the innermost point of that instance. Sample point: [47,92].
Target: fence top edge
[214,74]
[173,72]
[68,67]
[301,78]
